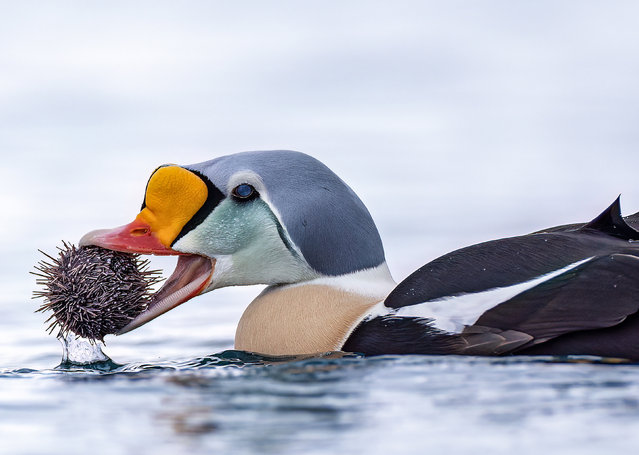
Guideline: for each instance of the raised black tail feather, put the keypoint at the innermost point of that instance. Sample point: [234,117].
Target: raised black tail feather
[612,223]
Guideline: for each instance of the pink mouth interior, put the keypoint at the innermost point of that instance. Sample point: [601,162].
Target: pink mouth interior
[191,275]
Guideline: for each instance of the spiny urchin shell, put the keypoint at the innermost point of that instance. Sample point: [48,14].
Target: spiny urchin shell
[93,291]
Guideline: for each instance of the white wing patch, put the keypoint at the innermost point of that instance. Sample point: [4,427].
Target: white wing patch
[453,313]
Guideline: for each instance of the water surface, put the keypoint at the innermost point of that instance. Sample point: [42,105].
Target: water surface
[236,403]
[456,122]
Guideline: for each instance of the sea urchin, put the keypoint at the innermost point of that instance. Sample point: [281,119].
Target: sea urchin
[93,291]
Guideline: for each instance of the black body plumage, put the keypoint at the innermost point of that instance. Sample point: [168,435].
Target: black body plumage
[92,291]
[590,308]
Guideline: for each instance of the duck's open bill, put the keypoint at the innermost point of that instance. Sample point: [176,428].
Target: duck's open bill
[191,276]
[135,237]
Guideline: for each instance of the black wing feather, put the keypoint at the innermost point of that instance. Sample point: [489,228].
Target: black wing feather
[409,335]
[501,263]
[400,335]
[600,293]
[505,262]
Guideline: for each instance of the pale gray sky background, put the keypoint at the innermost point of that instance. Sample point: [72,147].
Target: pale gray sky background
[455,121]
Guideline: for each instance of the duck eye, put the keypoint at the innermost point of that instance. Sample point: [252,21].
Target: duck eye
[243,191]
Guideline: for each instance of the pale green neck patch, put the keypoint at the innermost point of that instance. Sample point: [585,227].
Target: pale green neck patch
[250,245]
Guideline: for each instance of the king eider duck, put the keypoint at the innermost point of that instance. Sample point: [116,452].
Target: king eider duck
[285,220]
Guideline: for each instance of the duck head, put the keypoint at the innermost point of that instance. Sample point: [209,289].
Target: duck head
[273,217]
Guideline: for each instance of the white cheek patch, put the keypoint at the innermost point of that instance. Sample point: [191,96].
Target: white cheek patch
[221,272]
[452,314]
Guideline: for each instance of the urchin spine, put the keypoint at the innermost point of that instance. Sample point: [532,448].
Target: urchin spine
[92,291]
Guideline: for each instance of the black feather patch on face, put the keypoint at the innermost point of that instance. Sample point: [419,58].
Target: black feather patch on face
[92,291]
[215,196]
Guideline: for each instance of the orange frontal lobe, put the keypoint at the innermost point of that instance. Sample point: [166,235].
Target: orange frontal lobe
[173,196]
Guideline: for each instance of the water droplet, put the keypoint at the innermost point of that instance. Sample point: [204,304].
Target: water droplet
[81,351]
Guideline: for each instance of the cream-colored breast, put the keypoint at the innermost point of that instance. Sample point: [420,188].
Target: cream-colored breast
[303,319]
